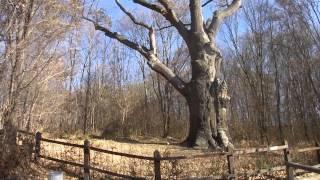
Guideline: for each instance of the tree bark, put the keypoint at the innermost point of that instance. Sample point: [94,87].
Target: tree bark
[207,100]
[208,115]
[202,115]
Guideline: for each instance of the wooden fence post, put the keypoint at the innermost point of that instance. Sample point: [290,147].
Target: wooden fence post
[231,168]
[287,158]
[318,152]
[157,163]
[86,156]
[37,146]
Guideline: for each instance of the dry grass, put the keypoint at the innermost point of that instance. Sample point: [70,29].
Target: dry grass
[137,167]
[143,168]
[170,169]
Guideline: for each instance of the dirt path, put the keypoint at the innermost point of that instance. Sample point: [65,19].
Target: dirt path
[309,176]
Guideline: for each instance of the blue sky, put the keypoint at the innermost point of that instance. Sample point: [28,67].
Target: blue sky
[112,9]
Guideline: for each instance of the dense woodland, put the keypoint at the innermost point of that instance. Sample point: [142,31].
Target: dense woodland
[59,75]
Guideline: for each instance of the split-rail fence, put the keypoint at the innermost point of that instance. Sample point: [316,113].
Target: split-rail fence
[157,159]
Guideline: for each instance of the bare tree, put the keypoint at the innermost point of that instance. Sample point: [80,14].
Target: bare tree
[206,103]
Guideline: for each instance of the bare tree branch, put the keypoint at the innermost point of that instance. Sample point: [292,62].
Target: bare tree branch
[219,16]
[209,1]
[152,37]
[2,38]
[156,65]
[206,3]
[150,55]
[167,12]
[173,19]
[134,20]
[151,6]
[169,26]
[115,35]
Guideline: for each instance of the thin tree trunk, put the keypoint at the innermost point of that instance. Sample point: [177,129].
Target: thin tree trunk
[87,98]
[277,82]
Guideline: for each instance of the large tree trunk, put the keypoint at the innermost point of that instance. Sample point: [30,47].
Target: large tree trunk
[202,115]
[207,99]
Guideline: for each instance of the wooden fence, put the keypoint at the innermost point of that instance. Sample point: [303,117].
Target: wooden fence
[291,165]
[157,158]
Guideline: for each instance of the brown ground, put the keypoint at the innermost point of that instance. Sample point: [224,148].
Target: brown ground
[143,168]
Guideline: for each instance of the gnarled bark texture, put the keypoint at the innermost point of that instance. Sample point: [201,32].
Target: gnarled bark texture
[207,100]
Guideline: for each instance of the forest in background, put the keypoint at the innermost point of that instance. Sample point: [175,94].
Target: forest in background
[57,74]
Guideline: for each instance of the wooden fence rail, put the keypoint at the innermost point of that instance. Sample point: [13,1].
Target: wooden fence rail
[260,150]
[122,154]
[157,158]
[291,165]
[303,167]
[62,143]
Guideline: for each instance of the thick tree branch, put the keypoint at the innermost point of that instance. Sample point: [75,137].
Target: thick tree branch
[151,6]
[169,26]
[168,13]
[153,43]
[172,17]
[196,16]
[156,65]
[115,35]
[150,55]
[219,16]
